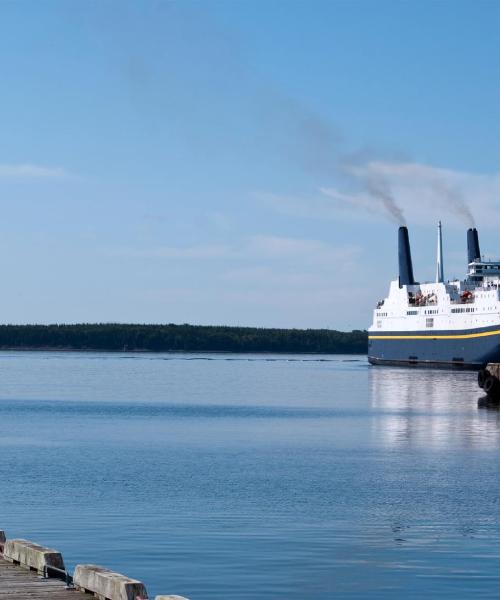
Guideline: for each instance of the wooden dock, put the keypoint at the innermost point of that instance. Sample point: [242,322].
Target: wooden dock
[29,571]
[19,583]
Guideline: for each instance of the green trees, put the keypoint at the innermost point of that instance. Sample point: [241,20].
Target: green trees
[186,338]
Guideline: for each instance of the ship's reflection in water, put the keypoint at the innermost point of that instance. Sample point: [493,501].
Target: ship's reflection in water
[433,409]
[436,485]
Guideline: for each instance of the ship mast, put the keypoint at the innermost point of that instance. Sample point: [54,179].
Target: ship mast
[439,265]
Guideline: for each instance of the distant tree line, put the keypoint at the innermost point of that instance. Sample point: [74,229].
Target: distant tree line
[183,338]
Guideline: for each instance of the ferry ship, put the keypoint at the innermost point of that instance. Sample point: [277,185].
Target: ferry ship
[439,324]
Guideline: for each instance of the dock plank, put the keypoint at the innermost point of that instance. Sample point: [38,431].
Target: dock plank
[18,583]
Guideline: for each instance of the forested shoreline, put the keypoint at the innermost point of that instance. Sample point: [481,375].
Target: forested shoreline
[180,338]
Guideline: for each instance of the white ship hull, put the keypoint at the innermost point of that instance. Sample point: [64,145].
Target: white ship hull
[453,324]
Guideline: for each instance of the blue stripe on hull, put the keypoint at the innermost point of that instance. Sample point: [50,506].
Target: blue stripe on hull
[468,353]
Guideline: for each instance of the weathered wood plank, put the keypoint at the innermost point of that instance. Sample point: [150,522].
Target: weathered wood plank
[18,583]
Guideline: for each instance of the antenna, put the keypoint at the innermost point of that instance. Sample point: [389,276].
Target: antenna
[439,265]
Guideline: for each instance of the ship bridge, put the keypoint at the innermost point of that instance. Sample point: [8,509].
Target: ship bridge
[484,272]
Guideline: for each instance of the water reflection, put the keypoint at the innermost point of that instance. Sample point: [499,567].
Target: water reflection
[430,409]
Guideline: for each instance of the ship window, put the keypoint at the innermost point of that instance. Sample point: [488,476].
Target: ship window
[379,324]
[411,312]
[429,322]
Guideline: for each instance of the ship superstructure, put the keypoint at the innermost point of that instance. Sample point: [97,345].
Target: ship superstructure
[453,323]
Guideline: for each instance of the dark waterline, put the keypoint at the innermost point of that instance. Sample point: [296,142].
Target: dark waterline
[276,477]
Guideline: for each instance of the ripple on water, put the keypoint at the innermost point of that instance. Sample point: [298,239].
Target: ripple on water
[243,477]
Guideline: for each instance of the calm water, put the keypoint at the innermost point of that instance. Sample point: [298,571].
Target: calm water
[245,477]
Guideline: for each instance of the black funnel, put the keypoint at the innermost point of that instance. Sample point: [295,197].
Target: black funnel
[404,255]
[473,252]
[476,241]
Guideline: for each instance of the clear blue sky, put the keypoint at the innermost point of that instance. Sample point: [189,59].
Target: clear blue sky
[206,162]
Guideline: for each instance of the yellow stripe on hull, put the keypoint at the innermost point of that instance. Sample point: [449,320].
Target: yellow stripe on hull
[461,336]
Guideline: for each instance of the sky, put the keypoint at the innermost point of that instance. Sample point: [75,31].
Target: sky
[240,162]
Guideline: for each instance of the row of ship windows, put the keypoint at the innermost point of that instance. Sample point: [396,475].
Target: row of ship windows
[429,322]
[435,311]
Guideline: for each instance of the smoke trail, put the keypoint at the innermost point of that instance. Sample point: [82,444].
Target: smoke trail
[379,187]
[376,189]
[318,143]
[453,200]
[360,202]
